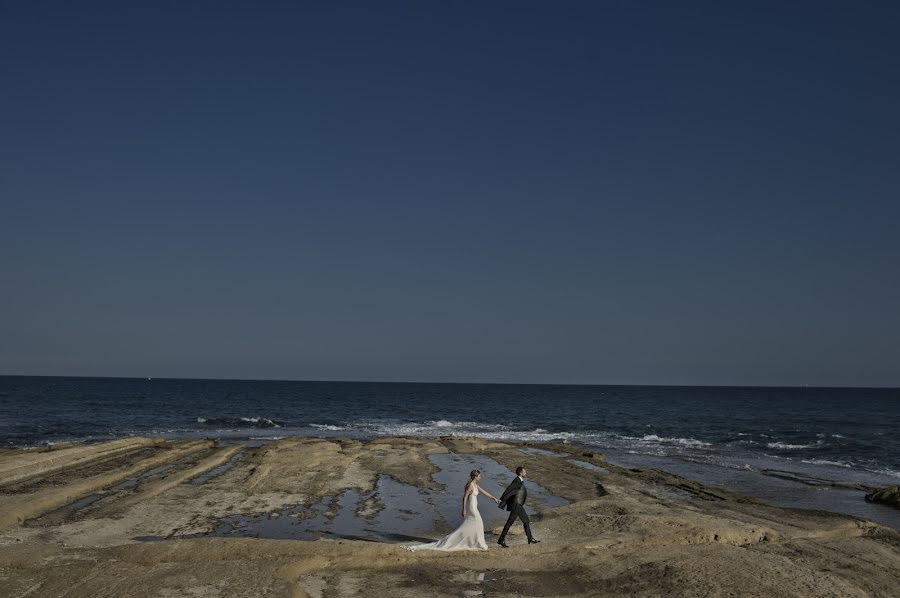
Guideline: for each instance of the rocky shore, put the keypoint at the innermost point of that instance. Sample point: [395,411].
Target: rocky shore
[886,496]
[330,517]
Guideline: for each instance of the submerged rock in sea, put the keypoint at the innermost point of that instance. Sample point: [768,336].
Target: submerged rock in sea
[886,496]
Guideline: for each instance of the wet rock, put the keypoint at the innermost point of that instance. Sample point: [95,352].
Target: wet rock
[886,496]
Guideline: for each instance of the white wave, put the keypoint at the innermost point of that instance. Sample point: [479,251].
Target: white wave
[228,422]
[431,428]
[434,428]
[443,423]
[785,446]
[681,441]
[533,436]
[328,427]
[888,472]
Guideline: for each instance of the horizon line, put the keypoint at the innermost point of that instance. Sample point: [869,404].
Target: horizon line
[800,386]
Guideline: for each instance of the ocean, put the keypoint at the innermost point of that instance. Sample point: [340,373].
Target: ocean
[800,447]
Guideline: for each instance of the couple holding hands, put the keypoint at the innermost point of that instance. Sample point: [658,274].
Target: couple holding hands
[470,534]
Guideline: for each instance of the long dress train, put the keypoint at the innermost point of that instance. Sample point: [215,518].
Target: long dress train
[468,536]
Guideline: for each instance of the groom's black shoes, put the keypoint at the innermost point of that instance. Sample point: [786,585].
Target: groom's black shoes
[533,541]
[502,543]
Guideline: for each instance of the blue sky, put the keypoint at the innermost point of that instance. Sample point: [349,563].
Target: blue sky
[584,192]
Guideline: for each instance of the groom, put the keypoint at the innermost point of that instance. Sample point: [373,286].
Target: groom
[513,500]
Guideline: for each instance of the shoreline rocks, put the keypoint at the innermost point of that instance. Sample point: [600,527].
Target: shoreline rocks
[135,524]
[889,495]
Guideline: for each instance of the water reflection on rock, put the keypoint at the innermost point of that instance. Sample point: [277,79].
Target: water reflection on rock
[394,511]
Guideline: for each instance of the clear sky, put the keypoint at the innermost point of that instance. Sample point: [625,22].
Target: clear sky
[574,192]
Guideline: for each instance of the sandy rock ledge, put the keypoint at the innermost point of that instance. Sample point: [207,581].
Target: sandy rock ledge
[127,518]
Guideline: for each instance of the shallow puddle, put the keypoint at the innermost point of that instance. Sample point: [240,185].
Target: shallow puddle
[472,577]
[454,472]
[133,482]
[394,512]
[59,515]
[217,471]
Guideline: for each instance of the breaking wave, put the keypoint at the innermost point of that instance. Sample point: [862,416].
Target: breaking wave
[681,441]
[788,447]
[428,429]
[239,422]
[327,427]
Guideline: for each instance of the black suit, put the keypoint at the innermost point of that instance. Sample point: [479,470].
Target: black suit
[513,499]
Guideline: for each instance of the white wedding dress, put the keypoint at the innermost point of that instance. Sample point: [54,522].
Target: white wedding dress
[468,536]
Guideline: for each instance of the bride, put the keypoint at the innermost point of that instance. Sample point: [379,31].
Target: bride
[470,534]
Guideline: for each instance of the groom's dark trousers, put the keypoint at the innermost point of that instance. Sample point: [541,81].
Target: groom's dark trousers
[518,511]
[513,500]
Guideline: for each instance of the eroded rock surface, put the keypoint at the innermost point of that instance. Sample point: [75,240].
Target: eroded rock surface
[138,518]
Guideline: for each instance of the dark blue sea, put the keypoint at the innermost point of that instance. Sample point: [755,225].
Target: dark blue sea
[805,447]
